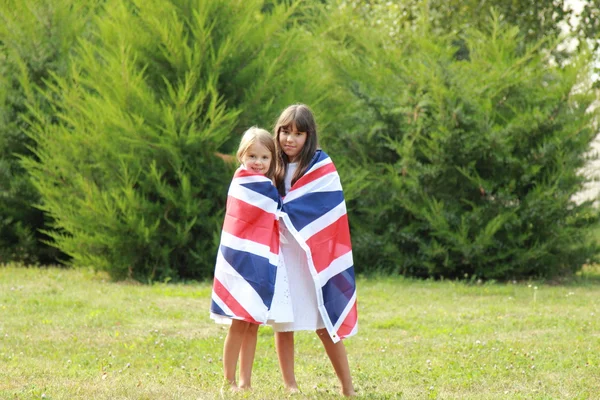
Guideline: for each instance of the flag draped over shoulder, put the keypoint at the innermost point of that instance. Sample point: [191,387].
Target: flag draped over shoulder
[314,211]
[248,254]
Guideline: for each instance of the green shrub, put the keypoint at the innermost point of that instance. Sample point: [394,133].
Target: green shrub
[36,38]
[128,170]
[472,163]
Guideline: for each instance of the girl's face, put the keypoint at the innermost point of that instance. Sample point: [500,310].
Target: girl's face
[257,158]
[291,141]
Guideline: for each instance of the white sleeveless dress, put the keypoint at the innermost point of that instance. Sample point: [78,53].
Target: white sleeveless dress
[300,287]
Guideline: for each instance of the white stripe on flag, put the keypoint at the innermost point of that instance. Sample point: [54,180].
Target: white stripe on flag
[344,313]
[249,246]
[320,164]
[240,289]
[323,221]
[326,183]
[254,198]
[337,266]
[250,178]
[221,304]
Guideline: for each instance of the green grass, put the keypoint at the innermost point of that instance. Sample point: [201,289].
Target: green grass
[73,334]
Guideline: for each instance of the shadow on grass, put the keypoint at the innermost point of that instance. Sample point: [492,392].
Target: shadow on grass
[589,275]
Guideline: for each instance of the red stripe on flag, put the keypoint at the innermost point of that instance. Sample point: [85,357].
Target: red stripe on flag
[314,175]
[243,173]
[232,303]
[275,239]
[245,221]
[330,243]
[349,323]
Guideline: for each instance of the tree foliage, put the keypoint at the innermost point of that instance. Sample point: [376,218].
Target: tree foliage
[458,136]
[128,170]
[36,38]
[536,20]
[472,163]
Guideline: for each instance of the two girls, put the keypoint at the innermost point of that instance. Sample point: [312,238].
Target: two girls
[316,249]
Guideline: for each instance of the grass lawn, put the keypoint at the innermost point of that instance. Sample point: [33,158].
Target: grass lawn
[73,334]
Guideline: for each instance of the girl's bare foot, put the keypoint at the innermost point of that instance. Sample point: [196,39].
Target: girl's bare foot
[228,387]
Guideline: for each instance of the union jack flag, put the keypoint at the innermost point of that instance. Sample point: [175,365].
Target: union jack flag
[248,254]
[314,211]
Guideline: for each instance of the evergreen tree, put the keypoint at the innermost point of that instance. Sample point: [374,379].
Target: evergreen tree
[36,38]
[472,163]
[128,170]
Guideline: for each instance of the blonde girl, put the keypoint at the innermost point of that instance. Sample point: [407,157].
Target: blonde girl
[247,261]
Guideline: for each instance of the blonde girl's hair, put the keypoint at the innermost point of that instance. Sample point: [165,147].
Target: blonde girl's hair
[260,136]
[302,117]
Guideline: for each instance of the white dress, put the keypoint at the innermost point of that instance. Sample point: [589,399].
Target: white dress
[302,292]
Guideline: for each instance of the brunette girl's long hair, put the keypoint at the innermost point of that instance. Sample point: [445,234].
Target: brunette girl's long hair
[302,117]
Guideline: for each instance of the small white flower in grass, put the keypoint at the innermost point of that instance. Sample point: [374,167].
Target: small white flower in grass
[477,342]
[430,387]
[183,367]
[533,367]
[128,365]
[43,395]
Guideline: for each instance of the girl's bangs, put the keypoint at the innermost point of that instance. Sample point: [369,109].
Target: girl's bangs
[295,117]
[286,121]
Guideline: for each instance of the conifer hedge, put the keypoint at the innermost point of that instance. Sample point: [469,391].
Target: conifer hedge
[473,160]
[36,38]
[456,161]
[125,162]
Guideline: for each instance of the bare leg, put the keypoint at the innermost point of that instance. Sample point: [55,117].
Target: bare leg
[231,349]
[284,343]
[247,352]
[339,360]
